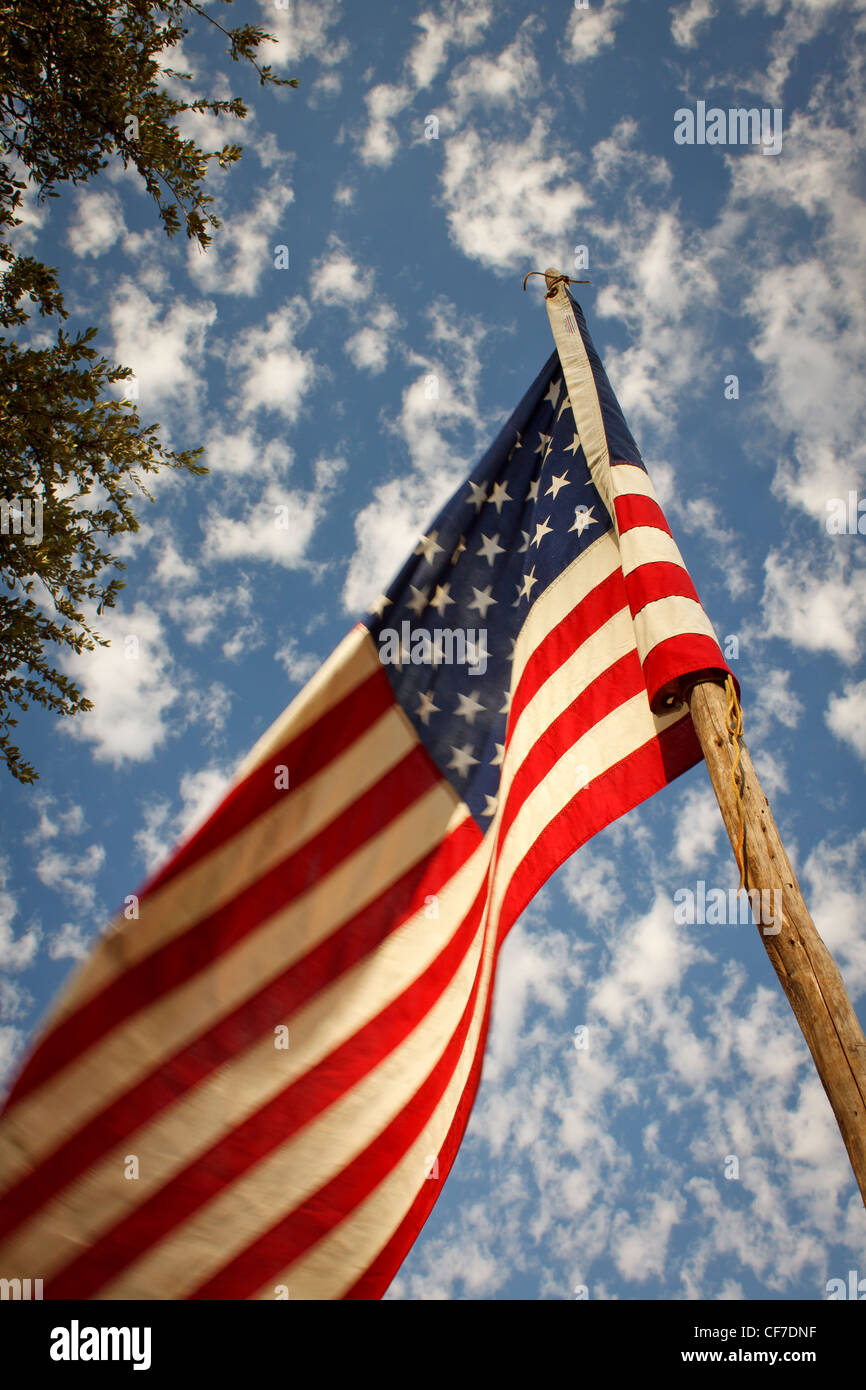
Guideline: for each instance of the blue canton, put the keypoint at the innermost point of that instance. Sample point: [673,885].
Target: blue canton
[447,626]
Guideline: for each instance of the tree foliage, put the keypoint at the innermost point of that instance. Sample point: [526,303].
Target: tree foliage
[83,85]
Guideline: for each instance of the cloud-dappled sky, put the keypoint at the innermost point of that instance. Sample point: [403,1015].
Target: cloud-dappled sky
[375,234]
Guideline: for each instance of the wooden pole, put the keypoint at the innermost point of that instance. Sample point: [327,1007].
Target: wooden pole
[806,970]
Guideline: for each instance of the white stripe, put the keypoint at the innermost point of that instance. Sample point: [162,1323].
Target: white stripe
[674,616]
[645,545]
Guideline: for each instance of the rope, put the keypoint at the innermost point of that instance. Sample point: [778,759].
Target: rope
[560,280]
[734,718]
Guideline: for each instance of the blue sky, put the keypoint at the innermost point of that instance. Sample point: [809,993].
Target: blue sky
[603,1167]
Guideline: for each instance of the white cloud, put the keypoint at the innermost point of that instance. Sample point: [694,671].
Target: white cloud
[173,569]
[591,882]
[836,886]
[244,248]
[131,695]
[846,717]
[302,30]
[699,824]
[817,608]
[71,942]
[370,346]
[273,373]
[11,1046]
[496,80]
[454,25]
[98,223]
[165,347]
[688,19]
[381,142]
[437,406]
[16,952]
[200,793]
[805,219]
[661,290]
[512,202]
[337,278]
[591,29]
[774,700]
[246,451]
[457,24]
[73,876]
[650,959]
[298,665]
[277,527]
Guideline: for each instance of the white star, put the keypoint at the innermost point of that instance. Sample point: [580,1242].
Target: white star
[458,550]
[441,599]
[482,599]
[468,708]
[426,707]
[573,447]
[463,759]
[419,602]
[583,517]
[553,392]
[427,547]
[544,441]
[558,483]
[518,444]
[490,808]
[500,495]
[507,703]
[382,602]
[479,495]
[500,754]
[528,581]
[525,546]
[566,405]
[541,530]
[532,495]
[490,548]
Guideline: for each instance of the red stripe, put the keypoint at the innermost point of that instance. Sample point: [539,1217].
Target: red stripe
[620,682]
[593,611]
[622,787]
[634,509]
[240,1029]
[263,1132]
[272,1253]
[305,756]
[658,579]
[179,959]
[672,665]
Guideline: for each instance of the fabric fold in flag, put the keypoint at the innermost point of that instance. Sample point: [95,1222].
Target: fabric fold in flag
[286,1044]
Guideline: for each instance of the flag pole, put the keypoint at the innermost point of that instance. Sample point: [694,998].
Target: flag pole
[806,970]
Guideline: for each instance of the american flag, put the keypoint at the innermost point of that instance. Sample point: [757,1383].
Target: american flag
[257,1084]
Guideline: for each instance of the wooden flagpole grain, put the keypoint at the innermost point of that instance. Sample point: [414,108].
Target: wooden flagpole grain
[805,968]
[807,972]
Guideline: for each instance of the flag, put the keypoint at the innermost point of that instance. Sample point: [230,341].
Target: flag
[257,1084]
